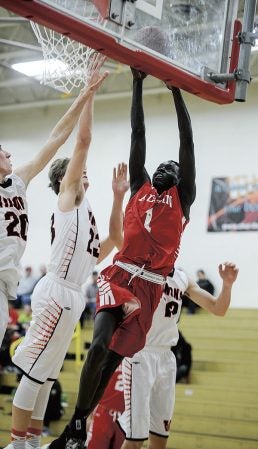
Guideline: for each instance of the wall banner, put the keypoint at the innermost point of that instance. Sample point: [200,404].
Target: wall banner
[233,204]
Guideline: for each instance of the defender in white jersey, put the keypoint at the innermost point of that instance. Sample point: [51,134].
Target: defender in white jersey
[57,300]
[13,204]
[149,377]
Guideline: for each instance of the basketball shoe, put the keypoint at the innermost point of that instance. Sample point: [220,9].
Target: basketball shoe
[69,439]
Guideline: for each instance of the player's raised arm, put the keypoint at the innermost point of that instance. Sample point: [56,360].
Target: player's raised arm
[120,185]
[186,186]
[218,305]
[137,171]
[72,185]
[56,139]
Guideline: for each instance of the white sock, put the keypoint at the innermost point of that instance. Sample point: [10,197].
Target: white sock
[33,442]
[18,442]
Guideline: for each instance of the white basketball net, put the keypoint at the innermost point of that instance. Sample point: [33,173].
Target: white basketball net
[66,62]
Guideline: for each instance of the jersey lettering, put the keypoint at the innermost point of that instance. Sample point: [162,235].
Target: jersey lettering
[52,228]
[148,219]
[172,291]
[16,202]
[18,225]
[91,248]
[171,309]
[173,299]
[150,198]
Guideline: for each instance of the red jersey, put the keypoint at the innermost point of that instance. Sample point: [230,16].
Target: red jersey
[113,397]
[153,226]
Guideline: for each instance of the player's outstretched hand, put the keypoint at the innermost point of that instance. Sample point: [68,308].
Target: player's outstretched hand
[137,74]
[120,183]
[94,77]
[228,272]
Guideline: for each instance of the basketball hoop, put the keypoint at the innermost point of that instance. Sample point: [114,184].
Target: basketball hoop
[66,61]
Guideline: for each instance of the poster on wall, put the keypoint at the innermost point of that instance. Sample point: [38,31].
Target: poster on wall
[233,204]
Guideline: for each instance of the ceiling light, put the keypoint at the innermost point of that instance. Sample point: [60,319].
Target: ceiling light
[36,69]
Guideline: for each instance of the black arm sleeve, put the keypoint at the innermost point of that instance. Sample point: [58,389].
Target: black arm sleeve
[137,171]
[186,187]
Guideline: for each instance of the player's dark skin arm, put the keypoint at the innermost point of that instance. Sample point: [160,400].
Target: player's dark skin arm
[186,185]
[137,171]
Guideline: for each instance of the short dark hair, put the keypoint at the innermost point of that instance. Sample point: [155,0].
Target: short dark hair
[56,173]
[174,162]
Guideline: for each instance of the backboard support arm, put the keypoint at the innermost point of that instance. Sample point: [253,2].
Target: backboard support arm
[246,39]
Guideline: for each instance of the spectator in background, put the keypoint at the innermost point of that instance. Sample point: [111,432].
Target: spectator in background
[25,318]
[204,283]
[15,329]
[26,286]
[42,273]
[6,364]
[42,270]
[90,295]
[183,354]
[13,316]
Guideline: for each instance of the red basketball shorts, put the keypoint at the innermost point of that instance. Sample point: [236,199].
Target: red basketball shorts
[144,296]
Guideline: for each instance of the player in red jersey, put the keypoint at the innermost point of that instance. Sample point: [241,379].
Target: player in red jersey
[104,431]
[130,289]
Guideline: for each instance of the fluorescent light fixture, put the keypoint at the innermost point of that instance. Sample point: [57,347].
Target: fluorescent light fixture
[37,69]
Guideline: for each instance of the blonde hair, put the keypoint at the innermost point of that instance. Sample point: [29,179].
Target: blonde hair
[56,173]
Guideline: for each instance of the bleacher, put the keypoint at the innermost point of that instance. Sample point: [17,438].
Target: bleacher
[217,409]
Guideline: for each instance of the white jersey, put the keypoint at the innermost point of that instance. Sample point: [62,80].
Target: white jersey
[13,232]
[75,243]
[164,330]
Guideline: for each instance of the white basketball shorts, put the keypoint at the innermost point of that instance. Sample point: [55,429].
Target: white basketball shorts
[56,309]
[149,390]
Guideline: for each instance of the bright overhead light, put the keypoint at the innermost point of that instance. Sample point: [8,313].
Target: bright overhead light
[36,69]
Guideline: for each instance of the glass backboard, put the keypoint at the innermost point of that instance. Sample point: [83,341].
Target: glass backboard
[196,33]
[171,39]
